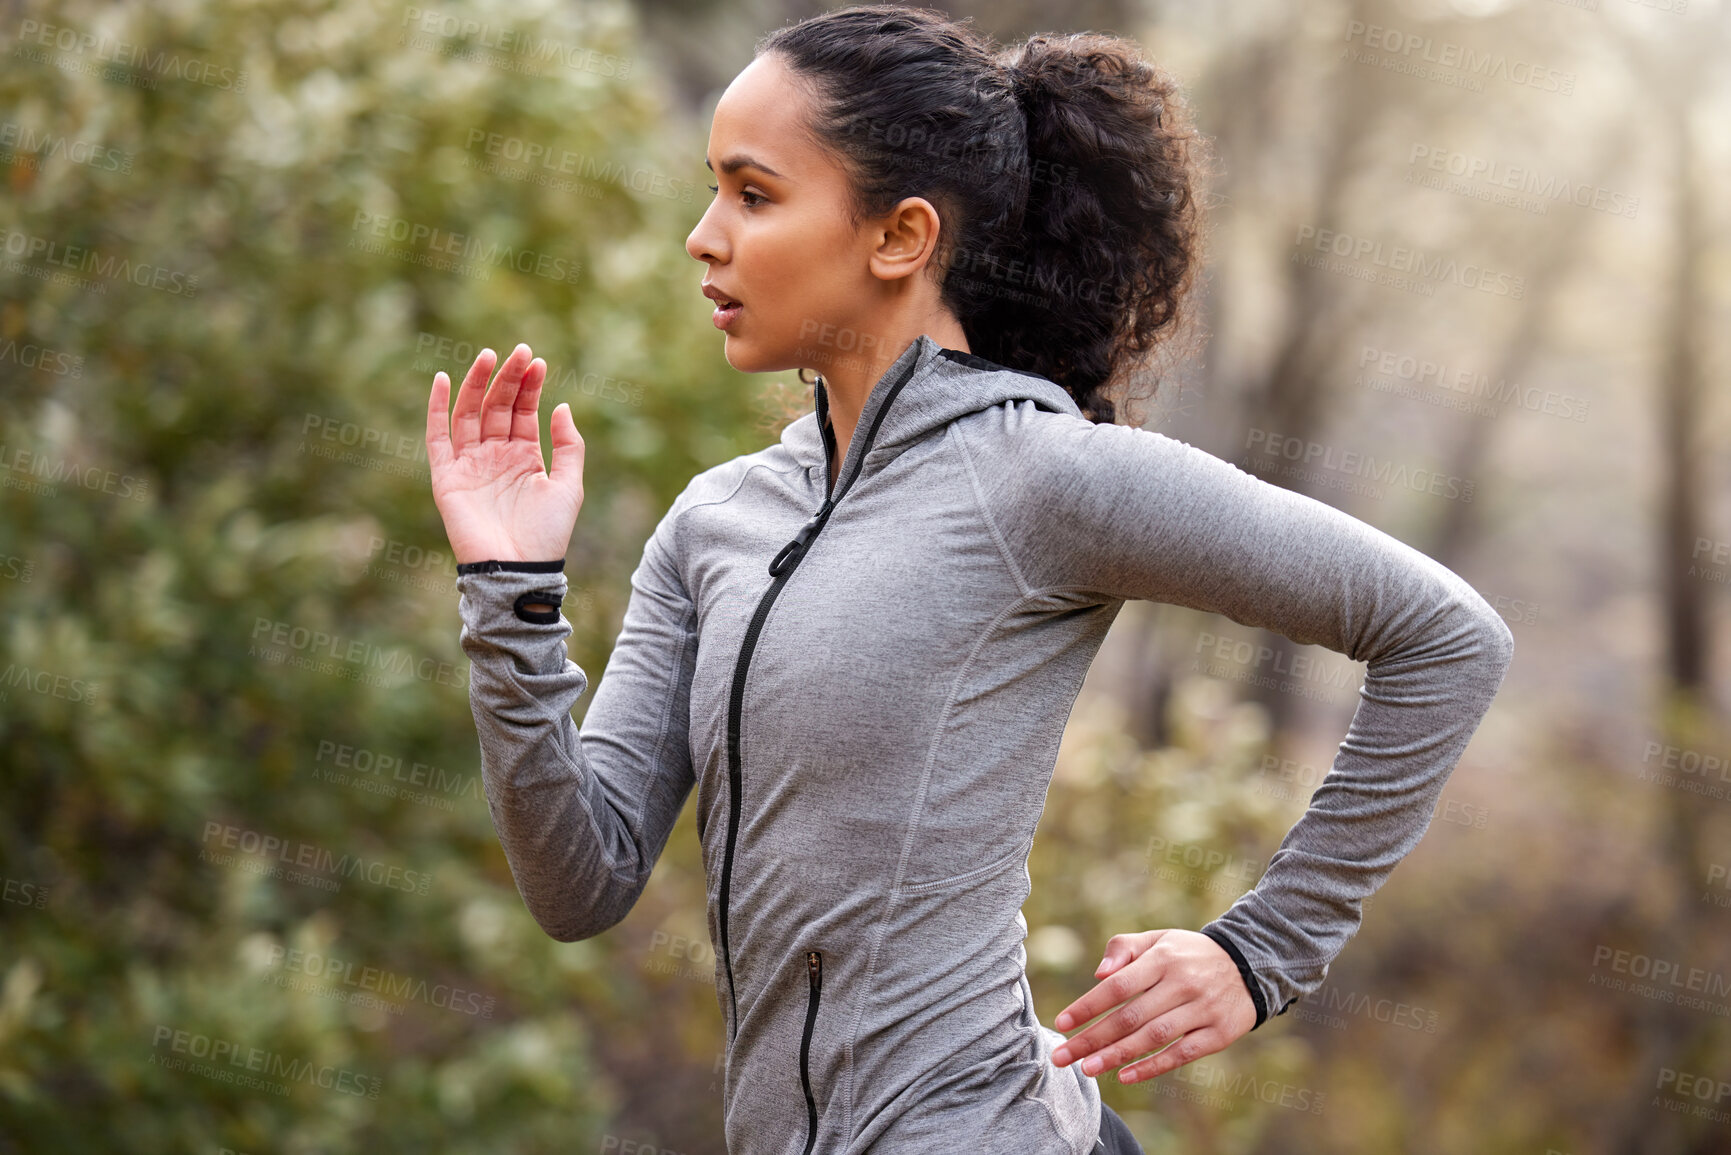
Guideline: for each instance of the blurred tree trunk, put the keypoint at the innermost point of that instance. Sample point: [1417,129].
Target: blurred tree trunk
[1461,520]
[1290,399]
[1673,1036]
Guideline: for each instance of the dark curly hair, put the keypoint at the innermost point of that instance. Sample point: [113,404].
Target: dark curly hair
[1063,170]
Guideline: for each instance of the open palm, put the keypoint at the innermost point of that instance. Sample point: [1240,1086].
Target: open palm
[498,501]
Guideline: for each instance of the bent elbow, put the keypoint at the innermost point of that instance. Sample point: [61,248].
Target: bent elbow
[566,925]
[1495,643]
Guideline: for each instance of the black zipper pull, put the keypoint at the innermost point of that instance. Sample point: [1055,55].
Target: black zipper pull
[791,552]
[814,968]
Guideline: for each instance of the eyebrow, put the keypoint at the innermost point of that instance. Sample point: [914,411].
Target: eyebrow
[734,163]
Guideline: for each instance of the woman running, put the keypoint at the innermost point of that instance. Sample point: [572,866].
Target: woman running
[861,644]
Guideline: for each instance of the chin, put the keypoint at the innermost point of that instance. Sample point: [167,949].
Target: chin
[742,356]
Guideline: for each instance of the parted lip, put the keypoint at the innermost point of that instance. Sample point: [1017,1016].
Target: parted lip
[717,295]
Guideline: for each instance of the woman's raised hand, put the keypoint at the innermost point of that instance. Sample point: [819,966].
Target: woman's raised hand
[498,502]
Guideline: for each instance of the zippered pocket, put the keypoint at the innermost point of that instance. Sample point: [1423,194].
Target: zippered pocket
[814,977]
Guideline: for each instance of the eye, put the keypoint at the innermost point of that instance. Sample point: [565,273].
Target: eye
[759,198]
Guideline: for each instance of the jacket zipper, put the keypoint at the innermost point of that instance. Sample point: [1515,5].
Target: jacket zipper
[781,568]
[814,969]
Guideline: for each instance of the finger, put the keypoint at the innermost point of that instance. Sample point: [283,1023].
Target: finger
[501,399]
[567,449]
[525,414]
[1203,1040]
[1111,991]
[1157,1026]
[439,420]
[466,417]
[1147,1001]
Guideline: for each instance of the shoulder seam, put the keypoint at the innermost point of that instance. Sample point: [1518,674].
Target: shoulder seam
[954,429]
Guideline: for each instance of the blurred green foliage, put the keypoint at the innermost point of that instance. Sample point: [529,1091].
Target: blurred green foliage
[261,396]
[250,897]
[221,460]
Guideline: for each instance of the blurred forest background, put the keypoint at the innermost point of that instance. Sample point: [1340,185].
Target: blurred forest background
[1487,239]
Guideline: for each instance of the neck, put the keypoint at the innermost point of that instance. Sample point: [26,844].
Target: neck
[849,380]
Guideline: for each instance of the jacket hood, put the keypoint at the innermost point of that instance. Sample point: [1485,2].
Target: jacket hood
[926,388]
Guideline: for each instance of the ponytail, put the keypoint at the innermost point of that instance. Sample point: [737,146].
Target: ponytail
[1064,172]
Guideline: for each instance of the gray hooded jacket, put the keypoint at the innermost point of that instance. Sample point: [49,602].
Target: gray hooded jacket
[867,683]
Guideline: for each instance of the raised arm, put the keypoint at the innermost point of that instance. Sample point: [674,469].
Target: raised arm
[582,816]
[1134,514]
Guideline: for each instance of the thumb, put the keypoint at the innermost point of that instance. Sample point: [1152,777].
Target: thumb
[567,448]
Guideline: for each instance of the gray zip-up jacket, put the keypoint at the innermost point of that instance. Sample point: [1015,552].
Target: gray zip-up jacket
[867,677]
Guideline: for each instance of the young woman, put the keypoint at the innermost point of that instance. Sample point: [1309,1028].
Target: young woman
[861,644]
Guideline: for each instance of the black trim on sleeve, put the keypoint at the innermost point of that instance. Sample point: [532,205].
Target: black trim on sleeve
[469,567]
[1231,948]
[535,597]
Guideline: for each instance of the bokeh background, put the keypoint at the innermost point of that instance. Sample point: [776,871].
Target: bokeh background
[252,899]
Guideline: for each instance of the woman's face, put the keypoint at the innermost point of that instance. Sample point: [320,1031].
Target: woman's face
[776,236]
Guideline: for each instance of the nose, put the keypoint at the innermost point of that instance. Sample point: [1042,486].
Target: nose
[705,242]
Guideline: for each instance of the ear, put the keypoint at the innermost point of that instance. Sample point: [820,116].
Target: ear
[907,237]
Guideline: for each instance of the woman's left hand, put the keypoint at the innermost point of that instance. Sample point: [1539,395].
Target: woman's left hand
[1173,984]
